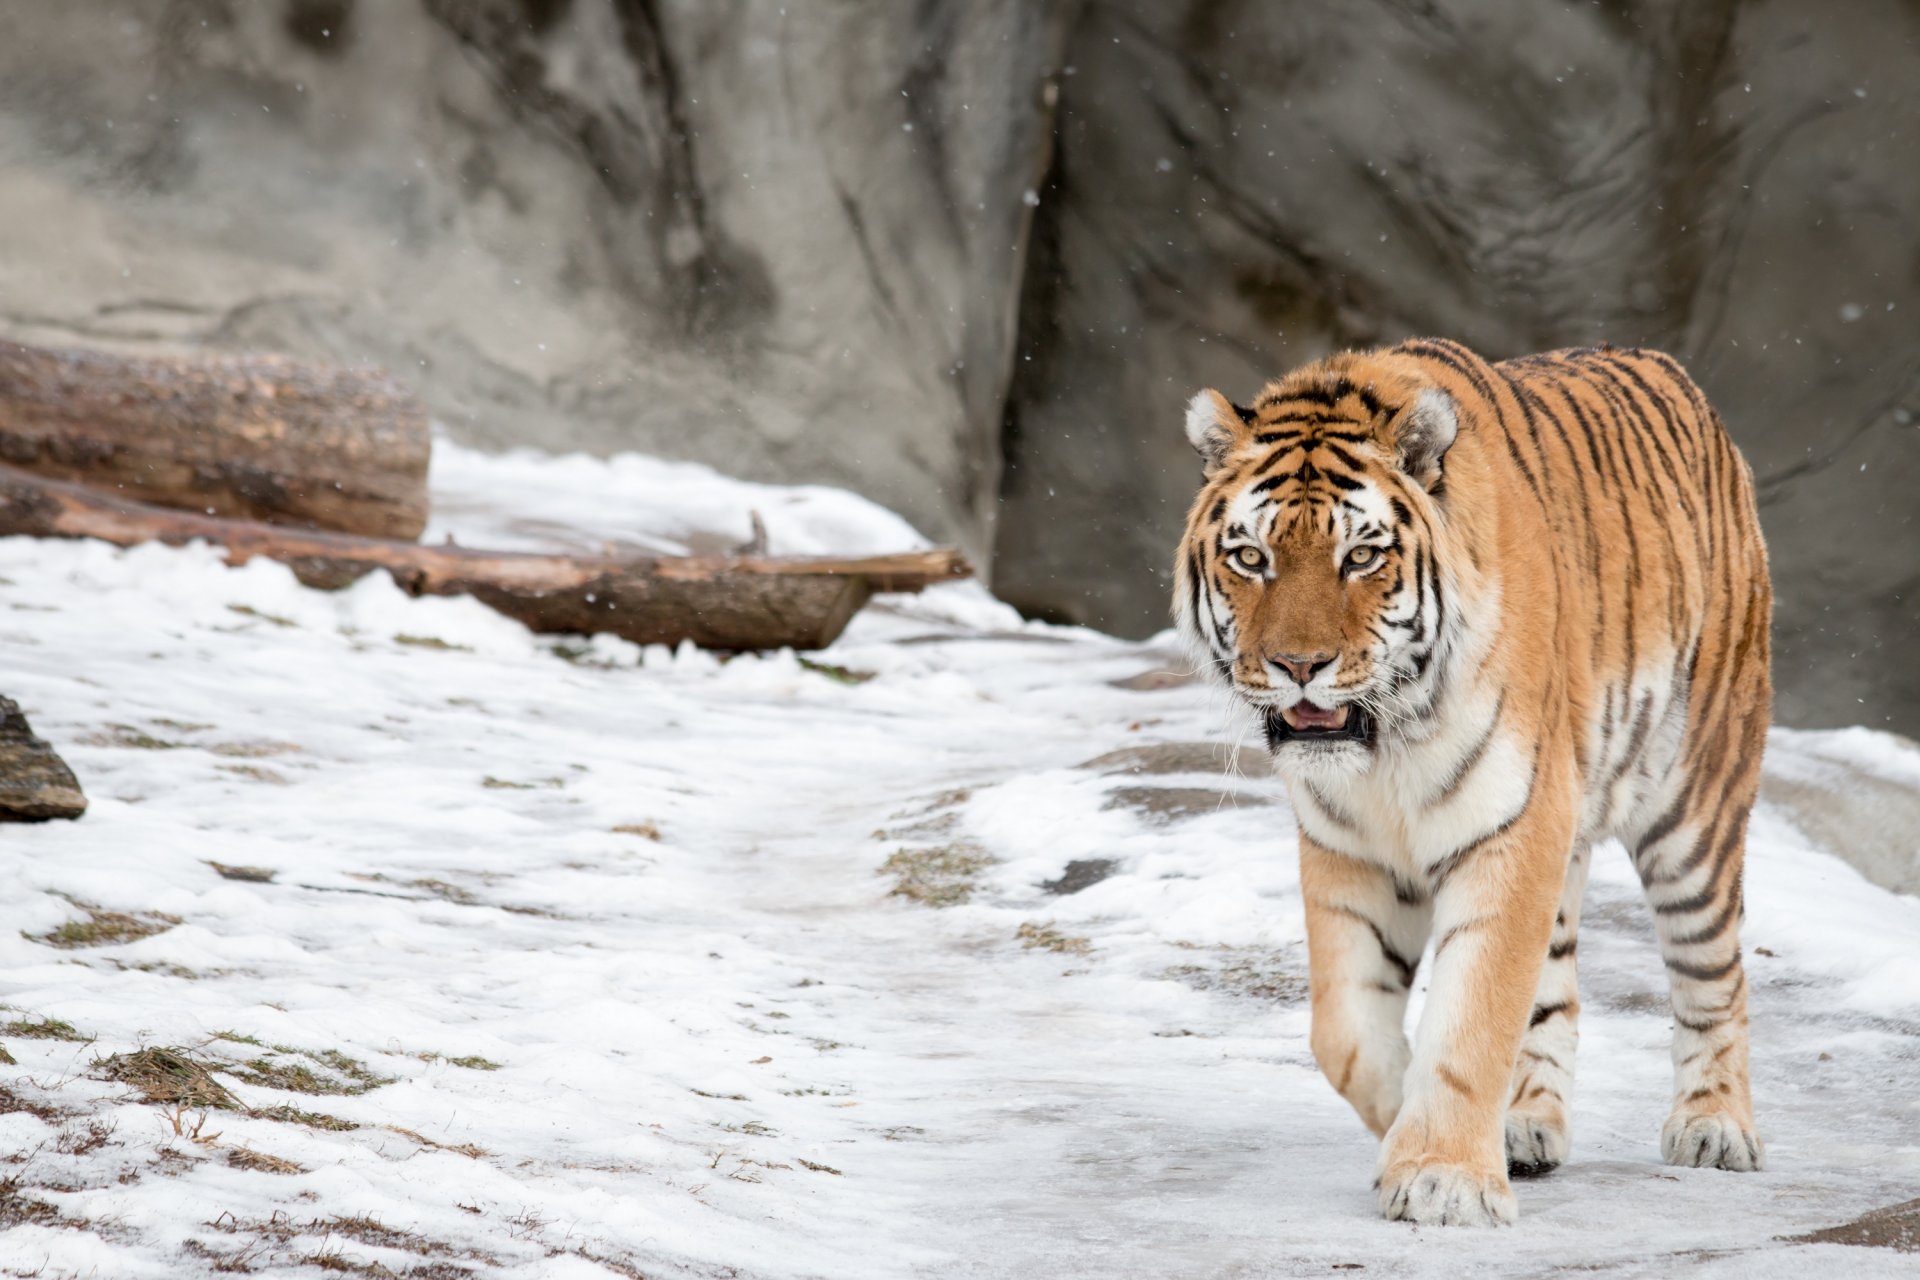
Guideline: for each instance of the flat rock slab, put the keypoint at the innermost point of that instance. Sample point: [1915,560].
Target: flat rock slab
[1169,804]
[1165,758]
[1854,792]
[1081,873]
[1895,1227]
[35,783]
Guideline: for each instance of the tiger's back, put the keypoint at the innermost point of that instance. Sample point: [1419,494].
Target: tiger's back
[1490,614]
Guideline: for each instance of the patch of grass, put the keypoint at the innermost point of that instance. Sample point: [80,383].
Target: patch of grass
[167,1076]
[1047,938]
[818,1168]
[492,783]
[371,1231]
[342,1076]
[939,876]
[1255,974]
[308,1119]
[474,1062]
[234,1037]
[254,750]
[164,968]
[75,1140]
[248,611]
[466,1149]
[445,891]
[432,642]
[11,1102]
[44,1029]
[18,1209]
[259,773]
[103,928]
[252,875]
[125,735]
[836,673]
[261,1162]
[645,830]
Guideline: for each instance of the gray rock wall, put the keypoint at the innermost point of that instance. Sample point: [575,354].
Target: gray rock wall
[1239,187]
[971,256]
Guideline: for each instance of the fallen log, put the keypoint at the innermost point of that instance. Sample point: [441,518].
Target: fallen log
[35,783]
[718,602]
[256,437]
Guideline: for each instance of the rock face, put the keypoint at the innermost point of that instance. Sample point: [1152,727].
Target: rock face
[1238,188]
[891,245]
[790,246]
[35,784]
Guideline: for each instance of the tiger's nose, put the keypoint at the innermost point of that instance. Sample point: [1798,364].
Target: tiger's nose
[1302,666]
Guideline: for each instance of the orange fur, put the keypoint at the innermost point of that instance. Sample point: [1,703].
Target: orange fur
[1491,614]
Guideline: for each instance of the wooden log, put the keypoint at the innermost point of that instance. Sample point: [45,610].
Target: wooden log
[255,437]
[718,602]
[35,783]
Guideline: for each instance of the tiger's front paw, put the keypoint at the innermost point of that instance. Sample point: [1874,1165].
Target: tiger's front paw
[1711,1139]
[1436,1193]
[1537,1142]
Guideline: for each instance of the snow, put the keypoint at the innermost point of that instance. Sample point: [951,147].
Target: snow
[729,1050]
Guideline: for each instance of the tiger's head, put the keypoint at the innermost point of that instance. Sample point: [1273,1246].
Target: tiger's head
[1309,579]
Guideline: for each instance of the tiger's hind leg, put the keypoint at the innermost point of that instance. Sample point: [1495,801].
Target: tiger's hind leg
[1539,1109]
[1689,860]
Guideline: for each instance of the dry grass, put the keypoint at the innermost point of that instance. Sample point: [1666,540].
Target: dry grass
[309,1119]
[1250,972]
[337,1074]
[254,750]
[837,673]
[252,875]
[248,611]
[103,928]
[11,1102]
[432,642]
[261,1162]
[167,1076]
[645,830]
[259,773]
[44,1029]
[467,1149]
[1047,938]
[125,735]
[17,1209]
[941,876]
[492,783]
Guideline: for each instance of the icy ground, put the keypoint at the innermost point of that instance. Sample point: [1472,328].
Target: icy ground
[599,952]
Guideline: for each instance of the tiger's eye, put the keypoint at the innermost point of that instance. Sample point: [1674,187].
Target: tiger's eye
[1361,557]
[1250,559]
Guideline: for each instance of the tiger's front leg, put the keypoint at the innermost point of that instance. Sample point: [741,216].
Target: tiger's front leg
[1444,1161]
[1364,939]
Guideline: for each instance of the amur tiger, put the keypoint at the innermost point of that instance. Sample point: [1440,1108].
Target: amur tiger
[1490,614]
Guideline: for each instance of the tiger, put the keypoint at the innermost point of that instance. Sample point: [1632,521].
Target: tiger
[1489,614]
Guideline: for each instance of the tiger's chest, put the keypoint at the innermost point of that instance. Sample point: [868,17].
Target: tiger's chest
[1418,803]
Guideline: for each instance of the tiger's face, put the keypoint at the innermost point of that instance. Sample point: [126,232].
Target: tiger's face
[1307,579]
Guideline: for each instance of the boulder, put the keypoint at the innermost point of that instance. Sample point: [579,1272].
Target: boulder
[35,783]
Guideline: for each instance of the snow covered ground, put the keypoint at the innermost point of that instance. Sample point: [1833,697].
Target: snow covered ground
[598,951]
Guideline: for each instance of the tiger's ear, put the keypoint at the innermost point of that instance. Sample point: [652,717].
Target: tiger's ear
[1422,434]
[1215,427]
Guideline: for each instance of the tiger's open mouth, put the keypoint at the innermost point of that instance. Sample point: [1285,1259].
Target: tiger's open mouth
[1305,722]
